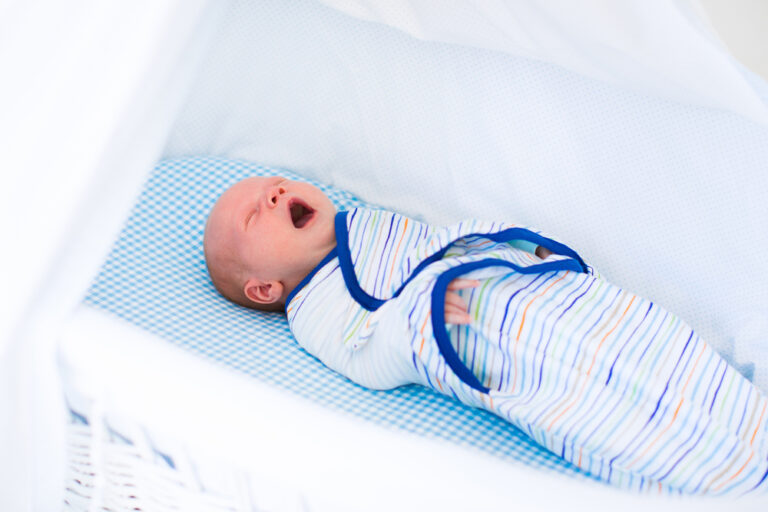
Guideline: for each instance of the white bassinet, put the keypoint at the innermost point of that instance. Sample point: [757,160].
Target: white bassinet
[130,384]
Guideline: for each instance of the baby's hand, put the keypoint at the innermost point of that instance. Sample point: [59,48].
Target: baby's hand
[455,307]
[543,253]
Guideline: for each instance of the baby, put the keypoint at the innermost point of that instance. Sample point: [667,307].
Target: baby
[601,377]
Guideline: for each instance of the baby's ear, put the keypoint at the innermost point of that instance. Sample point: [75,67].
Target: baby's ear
[263,292]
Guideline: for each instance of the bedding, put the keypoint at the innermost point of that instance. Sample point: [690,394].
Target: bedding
[155,278]
[443,131]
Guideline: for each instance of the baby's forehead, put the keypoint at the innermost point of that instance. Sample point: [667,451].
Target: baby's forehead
[244,190]
[253,182]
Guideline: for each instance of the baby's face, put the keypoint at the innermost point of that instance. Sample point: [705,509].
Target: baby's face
[278,229]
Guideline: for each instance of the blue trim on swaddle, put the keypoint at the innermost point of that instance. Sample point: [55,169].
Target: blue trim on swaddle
[508,235]
[529,236]
[438,307]
[348,268]
[372,303]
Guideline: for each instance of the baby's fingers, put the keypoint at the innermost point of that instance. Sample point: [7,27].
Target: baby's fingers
[455,300]
[461,283]
[456,309]
[457,317]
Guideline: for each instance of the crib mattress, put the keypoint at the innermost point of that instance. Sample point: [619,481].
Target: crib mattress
[155,278]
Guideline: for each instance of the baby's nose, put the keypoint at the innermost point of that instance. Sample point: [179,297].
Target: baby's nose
[274,194]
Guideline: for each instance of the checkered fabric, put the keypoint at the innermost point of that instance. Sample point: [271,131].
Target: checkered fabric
[155,277]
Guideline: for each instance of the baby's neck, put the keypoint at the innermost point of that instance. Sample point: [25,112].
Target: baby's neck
[310,264]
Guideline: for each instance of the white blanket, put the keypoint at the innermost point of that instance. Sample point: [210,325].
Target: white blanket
[607,380]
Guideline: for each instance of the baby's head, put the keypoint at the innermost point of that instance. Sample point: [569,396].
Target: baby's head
[263,236]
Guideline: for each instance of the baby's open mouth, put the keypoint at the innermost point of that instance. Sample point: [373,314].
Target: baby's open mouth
[301,213]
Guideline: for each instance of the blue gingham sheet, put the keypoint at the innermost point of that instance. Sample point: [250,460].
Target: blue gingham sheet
[155,278]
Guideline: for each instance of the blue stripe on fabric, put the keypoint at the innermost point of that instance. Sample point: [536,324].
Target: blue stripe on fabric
[552,330]
[714,397]
[384,263]
[744,412]
[716,467]
[76,417]
[618,355]
[620,423]
[689,450]
[640,442]
[666,386]
[570,289]
[765,475]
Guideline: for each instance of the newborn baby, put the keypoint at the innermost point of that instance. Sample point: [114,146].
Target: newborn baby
[499,317]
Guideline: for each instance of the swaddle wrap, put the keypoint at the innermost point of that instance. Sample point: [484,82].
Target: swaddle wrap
[603,378]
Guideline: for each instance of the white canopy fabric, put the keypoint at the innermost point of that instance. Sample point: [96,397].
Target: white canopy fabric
[89,95]
[660,47]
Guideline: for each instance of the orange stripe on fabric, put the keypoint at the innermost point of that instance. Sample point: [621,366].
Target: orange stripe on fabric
[661,434]
[701,353]
[751,441]
[583,387]
[594,356]
[736,473]
[421,331]
[677,410]
[397,250]
[520,330]
[522,320]
[297,297]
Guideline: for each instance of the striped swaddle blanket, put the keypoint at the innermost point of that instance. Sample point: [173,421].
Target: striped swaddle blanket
[603,378]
